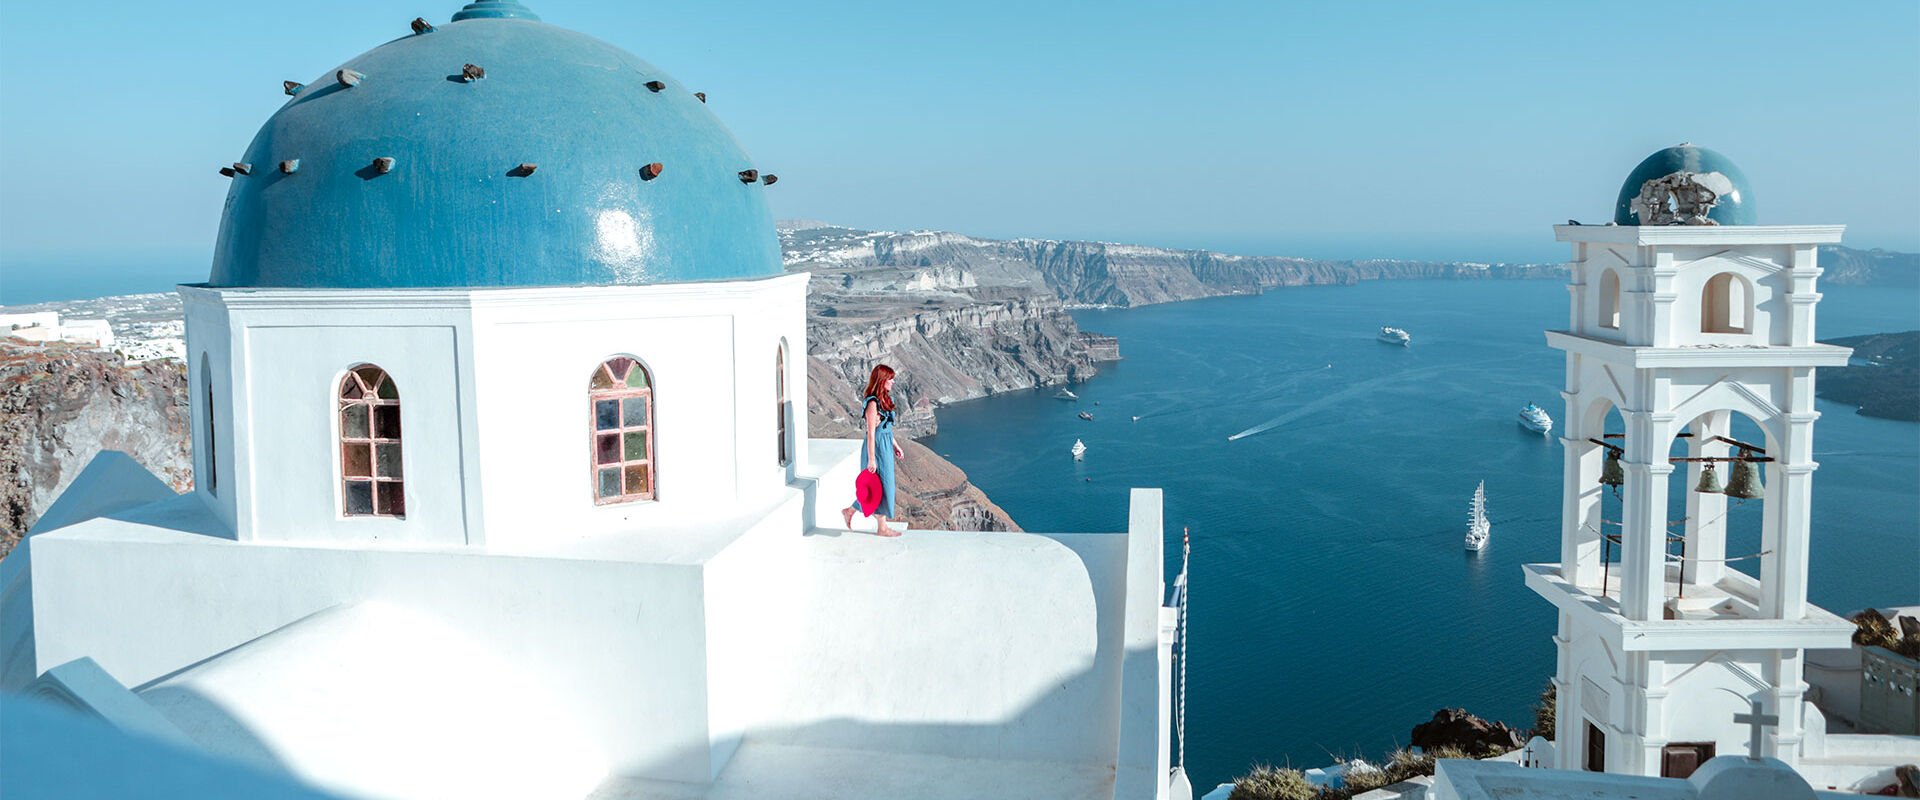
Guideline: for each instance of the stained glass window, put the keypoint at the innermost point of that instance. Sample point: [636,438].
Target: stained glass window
[213,465]
[780,397]
[620,442]
[372,483]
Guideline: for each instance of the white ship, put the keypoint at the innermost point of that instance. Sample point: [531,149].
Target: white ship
[1478,529]
[1079,450]
[1392,335]
[1066,394]
[1534,418]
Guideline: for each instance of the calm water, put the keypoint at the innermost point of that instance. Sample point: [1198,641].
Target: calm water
[1332,604]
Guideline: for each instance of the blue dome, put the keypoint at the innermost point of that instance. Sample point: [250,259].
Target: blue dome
[454,207]
[1735,206]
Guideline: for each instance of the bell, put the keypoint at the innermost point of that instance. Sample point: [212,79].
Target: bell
[1745,481]
[1709,480]
[1611,474]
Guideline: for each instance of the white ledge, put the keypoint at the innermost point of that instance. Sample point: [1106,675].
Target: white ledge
[1700,234]
[1816,355]
[1819,629]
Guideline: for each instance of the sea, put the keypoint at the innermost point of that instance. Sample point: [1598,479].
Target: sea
[1332,605]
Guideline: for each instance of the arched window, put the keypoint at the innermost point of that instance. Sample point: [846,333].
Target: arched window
[206,395]
[780,395]
[1609,299]
[620,398]
[1726,305]
[370,474]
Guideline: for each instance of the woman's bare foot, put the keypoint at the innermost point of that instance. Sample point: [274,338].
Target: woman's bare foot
[886,531]
[847,515]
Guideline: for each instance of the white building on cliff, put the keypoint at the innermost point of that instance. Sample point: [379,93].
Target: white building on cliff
[488,503]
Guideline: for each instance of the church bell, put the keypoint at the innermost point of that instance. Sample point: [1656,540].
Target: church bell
[1744,483]
[1709,480]
[1611,473]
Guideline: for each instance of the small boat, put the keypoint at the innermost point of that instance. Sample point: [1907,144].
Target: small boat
[1079,450]
[1534,418]
[1136,418]
[1066,394]
[1086,416]
[1478,529]
[1392,335]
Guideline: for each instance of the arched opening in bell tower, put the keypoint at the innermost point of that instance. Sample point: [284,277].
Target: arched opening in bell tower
[1726,305]
[1609,299]
[1716,501]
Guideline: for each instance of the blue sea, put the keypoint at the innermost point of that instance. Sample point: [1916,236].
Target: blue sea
[1332,605]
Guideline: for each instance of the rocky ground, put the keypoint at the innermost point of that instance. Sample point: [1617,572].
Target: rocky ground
[61,404]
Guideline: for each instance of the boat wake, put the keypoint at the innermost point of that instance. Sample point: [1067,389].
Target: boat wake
[1336,397]
[1290,378]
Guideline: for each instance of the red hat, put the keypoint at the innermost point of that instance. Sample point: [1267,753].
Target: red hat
[868,491]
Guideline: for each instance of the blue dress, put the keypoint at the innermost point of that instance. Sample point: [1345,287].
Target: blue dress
[882,448]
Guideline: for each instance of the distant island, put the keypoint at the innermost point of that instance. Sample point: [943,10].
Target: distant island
[1883,381]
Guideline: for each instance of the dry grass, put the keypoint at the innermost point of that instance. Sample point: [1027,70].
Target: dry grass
[1266,782]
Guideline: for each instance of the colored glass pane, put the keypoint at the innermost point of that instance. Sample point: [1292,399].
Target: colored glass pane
[391,498]
[356,460]
[606,414]
[633,412]
[608,449]
[637,479]
[386,422]
[619,366]
[359,497]
[601,380]
[387,390]
[353,421]
[610,482]
[636,445]
[369,374]
[350,389]
[386,460]
[637,378]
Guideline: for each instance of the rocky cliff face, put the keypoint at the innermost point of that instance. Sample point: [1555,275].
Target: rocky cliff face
[1883,380]
[944,351]
[1845,266]
[1085,273]
[61,404]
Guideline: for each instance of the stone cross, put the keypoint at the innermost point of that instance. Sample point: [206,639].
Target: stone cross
[1757,720]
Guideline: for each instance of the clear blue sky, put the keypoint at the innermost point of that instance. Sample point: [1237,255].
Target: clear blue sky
[1452,130]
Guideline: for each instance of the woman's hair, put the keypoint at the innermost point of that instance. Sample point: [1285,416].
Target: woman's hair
[877,386]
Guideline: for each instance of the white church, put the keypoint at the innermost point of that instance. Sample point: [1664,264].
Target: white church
[488,503]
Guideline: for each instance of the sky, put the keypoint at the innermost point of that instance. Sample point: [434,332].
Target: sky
[1329,129]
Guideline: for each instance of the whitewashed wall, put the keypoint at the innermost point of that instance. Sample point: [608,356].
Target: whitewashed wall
[494,407]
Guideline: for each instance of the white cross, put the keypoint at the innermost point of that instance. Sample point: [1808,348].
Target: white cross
[1757,720]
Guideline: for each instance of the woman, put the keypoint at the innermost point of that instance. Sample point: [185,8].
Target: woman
[880,453]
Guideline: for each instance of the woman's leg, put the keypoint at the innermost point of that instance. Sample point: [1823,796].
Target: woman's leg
[846,514]
[883,530]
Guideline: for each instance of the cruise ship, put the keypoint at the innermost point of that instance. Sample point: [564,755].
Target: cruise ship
[1392,335]
[1534,418]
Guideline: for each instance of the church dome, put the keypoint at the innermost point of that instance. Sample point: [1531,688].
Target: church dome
[1715,171]
[534,174]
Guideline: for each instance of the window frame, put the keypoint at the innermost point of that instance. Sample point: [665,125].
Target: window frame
[382,488]
[780,396]
[213,449]
[622,392]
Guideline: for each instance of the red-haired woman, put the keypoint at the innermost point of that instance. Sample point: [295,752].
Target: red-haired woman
[880,453]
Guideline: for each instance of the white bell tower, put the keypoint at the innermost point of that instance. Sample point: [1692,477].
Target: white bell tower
[1678,325]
